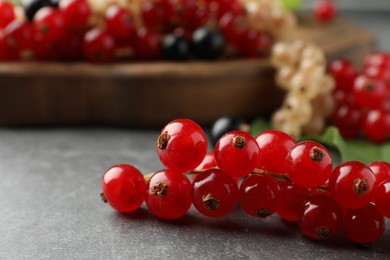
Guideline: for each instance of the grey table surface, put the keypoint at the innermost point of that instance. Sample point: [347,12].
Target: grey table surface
[50,206]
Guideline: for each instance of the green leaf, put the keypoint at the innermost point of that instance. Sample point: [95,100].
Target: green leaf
[341,150]
[355,149]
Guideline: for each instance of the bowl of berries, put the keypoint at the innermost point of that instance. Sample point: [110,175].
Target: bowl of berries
[142,63]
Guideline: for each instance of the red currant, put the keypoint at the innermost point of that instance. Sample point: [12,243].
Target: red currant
[382,198]
[98,45]
[381,170]
[320,218]
[120,22]
[182,145]
[51,23]
[344,72]
[147,44]
[376,125]
[274,146]
[259,195]
[369,92]
[364,225]
[7,14]
[324,10]
[19,38]
[214,193]
[75,12]
[348,120]
[377,59]
[154,15]
[290,202]
[123,187]
[168,194]
[236,153]
[309,164]
[256,44]
[234,28]
[351,184]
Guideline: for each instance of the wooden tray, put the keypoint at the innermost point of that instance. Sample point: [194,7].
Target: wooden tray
[150,94]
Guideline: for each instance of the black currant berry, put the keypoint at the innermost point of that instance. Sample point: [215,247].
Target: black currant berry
[226,124]
[207,43]
[32,6]
[175,48]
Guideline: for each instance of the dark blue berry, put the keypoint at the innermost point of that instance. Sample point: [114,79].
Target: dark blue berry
[175,48]
[207,43]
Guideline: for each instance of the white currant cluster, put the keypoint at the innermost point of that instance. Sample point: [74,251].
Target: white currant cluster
[269,16]
[301,71]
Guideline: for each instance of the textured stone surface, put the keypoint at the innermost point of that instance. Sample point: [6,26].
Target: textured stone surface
[50,208]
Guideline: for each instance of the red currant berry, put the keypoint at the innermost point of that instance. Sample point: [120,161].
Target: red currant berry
[381,171]
[123,187]
[168,194]
[369,92]
[308,164]
[214,193]
[7,14]
[376,125]
[147,44]
[98,45]
[377,59]
[274,146]
[364,225]
[154,15]
[120,22]
[290,202]
[320,218]
[351,184]
[381,73]
[344,73]
[382,198]
[44,50]
[236,153]
[256,44]
[234,28]
[75,12]
[207,163]
[324,10]
[71,47]
[180,11]
[259,195]
[342,98]
[182,145]
[51,23]
[348,120]
[19,38]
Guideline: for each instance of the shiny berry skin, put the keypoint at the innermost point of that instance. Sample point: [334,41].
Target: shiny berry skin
[256,44]
[75,12]
[214,193]
[377,60]
[7,13]
[381,73]
[381,170]
[348,120]
[207,163]
[308,164]
[369,92]
[344,73]
[175,48]
[182,145]
[123,187]
[180,11]
[324,10]
[236,153]
[352,184]
[19,37]
[223,125]
[382,198]
[71,47]
[154,15]
[259,195]
[33,6]
[320,218]
[120,22]
[364,225]
[274,146]
[98,45]
[291,200]
[50,22]
[168,194]
[147,44]
[234,28]
[376,125]
[207,44]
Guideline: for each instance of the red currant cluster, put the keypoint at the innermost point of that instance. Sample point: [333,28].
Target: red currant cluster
[363,98]
[295,180]
[324,10]
[101,31]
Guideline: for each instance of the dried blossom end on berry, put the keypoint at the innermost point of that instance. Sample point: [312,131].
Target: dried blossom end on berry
[316,154]
[159,189]
[239,142]
[210,202]
[360,186]
[162,140]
